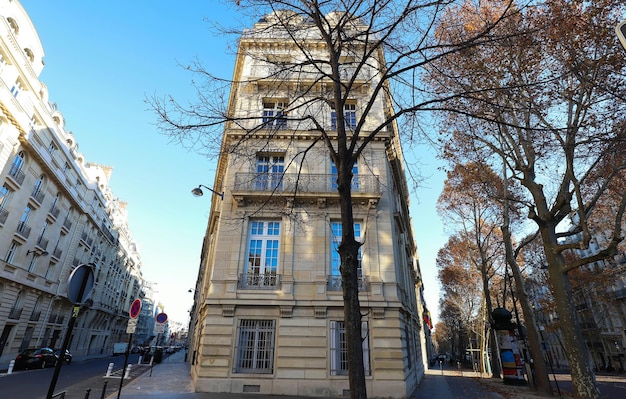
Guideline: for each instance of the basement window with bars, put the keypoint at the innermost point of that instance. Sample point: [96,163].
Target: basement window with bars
[339,349]
[255,346]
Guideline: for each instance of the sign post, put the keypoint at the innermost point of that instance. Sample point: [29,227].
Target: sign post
[133,312]
[620,29]
[79,286]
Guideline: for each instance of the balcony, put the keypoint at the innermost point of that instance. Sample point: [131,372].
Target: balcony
[334,283]
[23,229]
[54,211]
[305,186]
[4,214]
[35,316]
[259,281]
[15,313]
[16,175]
[42,243]
[38,195]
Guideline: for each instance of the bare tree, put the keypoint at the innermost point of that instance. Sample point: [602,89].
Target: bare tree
[550,103]
[344,48]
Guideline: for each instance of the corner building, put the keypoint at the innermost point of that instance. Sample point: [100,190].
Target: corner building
[268,313]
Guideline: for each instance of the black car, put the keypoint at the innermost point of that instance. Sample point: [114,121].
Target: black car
[67,358]
[35,358]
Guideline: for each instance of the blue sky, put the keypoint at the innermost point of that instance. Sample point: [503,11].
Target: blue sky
[102,59]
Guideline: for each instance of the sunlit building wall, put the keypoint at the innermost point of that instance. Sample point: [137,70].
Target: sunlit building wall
[56,212]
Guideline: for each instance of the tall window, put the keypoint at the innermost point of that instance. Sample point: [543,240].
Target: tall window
[269,169]
[4,196]
[335,260]
[262,254]
[349,114]
[355,175]
[11,252]
[255,347]
[339,349]
[16,167]
[274,115]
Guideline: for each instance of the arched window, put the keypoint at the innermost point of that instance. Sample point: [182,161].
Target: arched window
[39,186]
[18,161]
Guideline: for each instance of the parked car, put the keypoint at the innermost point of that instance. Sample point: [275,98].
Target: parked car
[35,358]
[67,358]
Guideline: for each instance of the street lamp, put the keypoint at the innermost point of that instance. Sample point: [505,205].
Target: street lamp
[197,192]
[37,252]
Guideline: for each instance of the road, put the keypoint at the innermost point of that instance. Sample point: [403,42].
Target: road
[74,378]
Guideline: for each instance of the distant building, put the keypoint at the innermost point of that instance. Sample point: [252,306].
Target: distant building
[268,313]
[56,212]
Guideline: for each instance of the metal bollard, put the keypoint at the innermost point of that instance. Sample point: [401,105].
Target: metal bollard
[104,389]
[110,369]
[127,375]
[11,366]
[140,359]
[87,394]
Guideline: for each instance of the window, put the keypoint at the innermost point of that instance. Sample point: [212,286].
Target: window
[339,349]
[52,148]
[38,189]
[355,176]
[269,169]
[255,347]
[274,115]
[262,254]
[11,252]
[50,271]
[4,196]
[16,167]
[335,260]
[349,114]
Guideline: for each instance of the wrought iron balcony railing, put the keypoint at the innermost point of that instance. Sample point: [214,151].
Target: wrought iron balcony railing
[259,281]
[334,283]
[302,183]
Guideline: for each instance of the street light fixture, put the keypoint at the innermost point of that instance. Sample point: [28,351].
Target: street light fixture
[197,192]
[37,252]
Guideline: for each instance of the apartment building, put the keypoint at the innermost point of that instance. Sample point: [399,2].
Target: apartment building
[56,212]
[268,314]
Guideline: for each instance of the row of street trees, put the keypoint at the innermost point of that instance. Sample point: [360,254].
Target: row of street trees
[530,89]
[545,105]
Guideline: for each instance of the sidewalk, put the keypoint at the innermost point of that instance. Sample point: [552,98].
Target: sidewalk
[171,379]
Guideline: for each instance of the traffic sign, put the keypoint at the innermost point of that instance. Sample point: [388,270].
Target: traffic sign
[161,318]
[620,29]
[159,328]
[80,284]
[132,322]
[135,308]
[131,329]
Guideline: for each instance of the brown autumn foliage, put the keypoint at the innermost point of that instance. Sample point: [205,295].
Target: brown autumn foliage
[546,98]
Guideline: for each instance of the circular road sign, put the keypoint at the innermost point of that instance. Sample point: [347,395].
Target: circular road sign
[161,318]
[135,308]
[80,284]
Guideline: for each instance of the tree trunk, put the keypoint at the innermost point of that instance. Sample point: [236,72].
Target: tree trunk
[348,252]
[583,376]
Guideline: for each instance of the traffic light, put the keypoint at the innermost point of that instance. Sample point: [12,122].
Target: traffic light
[620,29]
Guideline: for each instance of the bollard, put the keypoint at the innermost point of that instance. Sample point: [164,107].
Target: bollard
[127,375]
[87,393]
[110,369]
[11,365]
[104,389]
[140,358]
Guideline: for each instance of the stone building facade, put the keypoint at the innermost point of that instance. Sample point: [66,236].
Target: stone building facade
[56,212]
[268,313]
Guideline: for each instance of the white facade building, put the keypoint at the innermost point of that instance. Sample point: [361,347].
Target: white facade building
[56,212]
